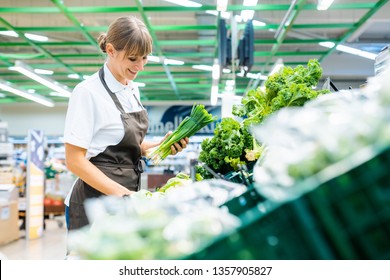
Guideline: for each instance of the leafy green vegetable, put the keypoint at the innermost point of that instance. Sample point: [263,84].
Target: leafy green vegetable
[180,179]
[227,148]
[288,87]
[232,144]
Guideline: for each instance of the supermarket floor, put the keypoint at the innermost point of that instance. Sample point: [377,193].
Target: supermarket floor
[52,246]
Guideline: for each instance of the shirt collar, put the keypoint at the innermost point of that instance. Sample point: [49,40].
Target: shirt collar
[113,83]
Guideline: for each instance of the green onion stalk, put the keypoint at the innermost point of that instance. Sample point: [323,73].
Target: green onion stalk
[198,119]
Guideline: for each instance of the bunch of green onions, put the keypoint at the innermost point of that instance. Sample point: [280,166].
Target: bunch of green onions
[198,119]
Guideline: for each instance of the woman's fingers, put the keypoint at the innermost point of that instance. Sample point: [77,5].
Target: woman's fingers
[178,147]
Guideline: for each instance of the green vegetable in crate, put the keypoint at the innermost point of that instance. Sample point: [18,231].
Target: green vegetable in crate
[227,148]
[179,180]
[288,87]
[198,119]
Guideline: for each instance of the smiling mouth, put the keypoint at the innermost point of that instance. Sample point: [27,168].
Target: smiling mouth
[134,73]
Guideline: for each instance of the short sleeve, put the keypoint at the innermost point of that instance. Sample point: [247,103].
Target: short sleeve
[80,116]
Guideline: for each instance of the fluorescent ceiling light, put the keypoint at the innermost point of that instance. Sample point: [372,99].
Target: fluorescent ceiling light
[248,14]
[216,72]
[173,62]
[225,15]
[30,36]
[214,93]
[29,72]
[230,82]
[138,84]
[324,4]
[31,96]
[277,66]
[203,67]
[58,94]
[222,5]
[43,71]
[74,76]
[343,48]
[185,3]
[249,3]
[258,23]
[153,58]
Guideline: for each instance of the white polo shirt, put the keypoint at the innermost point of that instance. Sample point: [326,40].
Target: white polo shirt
[93,121]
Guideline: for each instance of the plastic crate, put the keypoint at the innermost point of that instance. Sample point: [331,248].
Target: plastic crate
[346,217]
[287,232]
[354,209]
[242,203]
[246,177]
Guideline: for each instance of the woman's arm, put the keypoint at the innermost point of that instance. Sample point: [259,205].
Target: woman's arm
[89,173]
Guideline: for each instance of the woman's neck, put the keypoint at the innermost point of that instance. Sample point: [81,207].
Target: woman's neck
[118,77]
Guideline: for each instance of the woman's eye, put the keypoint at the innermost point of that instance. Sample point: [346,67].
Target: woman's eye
[133,59]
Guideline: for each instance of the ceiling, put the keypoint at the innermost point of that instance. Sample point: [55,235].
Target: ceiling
[188,35]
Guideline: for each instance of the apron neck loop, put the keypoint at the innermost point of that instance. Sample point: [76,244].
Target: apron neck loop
[113,95]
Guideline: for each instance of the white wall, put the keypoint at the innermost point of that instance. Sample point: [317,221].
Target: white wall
[23,116]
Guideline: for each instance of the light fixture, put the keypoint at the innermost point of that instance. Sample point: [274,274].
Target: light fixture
[138,84]
[324,4]
[277,66]
[31,96]
[216,72]
[248,14]
[153,58]
[225,15]
[30,36]
[346,49]
[43,71]
[222,5]
[185,3]
[29,72]
[214,94]
[173,62]
[203,67]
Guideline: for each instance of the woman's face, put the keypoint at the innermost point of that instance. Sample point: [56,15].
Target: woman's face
[123,67]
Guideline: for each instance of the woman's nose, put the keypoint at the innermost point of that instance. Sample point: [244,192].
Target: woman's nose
[139,66]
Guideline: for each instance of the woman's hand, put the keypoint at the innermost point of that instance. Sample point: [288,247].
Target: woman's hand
[177,147]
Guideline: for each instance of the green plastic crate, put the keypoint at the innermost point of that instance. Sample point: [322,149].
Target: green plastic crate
[354,209]
[287,232]
[346,217]
[242,203]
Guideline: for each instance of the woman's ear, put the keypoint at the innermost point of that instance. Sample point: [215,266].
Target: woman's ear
[110,50]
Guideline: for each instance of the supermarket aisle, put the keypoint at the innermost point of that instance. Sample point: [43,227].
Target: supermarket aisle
[52,246]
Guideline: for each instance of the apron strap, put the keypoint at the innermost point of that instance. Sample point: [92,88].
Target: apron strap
[113,95]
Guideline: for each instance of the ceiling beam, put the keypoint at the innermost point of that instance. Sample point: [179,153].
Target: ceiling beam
[126,9]
[356,26]
[60,5]
[157,46]
[36,46]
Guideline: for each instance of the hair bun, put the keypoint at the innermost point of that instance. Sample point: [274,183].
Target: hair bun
[102,41]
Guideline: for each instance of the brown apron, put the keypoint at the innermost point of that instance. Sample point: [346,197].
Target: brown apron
[121,162]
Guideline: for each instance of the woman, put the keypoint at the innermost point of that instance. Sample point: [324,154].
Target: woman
[106,123]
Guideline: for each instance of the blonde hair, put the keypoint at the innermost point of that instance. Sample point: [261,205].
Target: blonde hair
[129,34]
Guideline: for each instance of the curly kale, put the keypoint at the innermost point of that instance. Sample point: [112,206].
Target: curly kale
[226,149]
[232,144]
[288,87]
